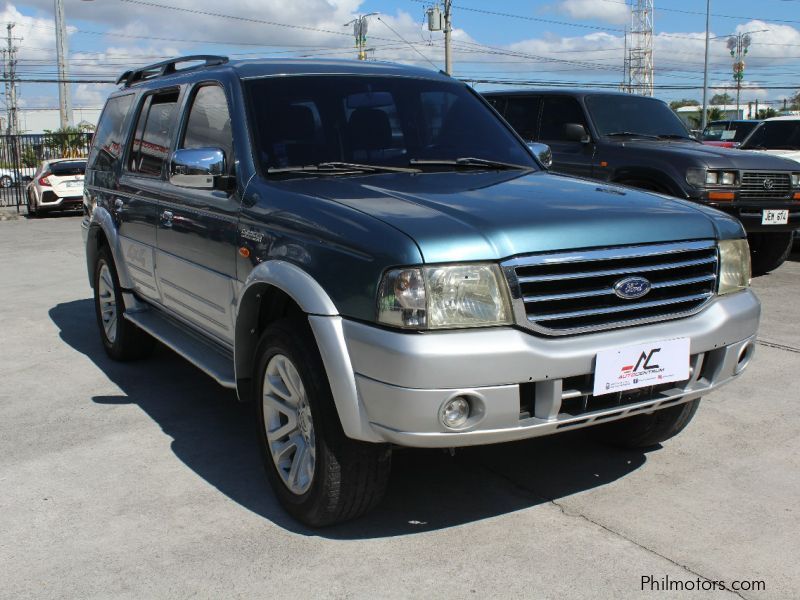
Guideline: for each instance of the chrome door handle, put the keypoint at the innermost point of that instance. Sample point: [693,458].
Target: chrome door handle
[166,218]
[118,204]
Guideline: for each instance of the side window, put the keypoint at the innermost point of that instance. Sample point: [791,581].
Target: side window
[209,123]
[107,143]
[557,111]
[151,141]
[522,113]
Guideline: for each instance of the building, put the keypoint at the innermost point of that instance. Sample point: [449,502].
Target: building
[35,120]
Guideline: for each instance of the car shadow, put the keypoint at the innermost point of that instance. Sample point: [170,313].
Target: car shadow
[214,435]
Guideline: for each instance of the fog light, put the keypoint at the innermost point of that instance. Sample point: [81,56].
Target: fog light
[455,412]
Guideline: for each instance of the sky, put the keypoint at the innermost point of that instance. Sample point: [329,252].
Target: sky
[576,41]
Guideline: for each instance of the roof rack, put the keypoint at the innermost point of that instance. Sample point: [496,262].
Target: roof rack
[167,67]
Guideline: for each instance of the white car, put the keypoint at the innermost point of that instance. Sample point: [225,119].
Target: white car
[57,185]
[779,136]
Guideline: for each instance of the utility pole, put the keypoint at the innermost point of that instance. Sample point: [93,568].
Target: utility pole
[64,100]
[704,120]
[10,74]
[738,45]
[360,27]
[448,30]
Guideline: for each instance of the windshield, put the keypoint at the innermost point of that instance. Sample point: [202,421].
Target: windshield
[615,113]
[341,122]
[775,135]
[728,132]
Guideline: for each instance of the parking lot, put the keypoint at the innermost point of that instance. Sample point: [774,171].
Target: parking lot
[143,480]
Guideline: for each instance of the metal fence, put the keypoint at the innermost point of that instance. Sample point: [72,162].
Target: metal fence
[21,155]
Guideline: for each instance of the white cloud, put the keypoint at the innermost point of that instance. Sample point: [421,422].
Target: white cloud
[610,11]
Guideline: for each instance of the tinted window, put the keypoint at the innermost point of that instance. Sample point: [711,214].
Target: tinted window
[107,143]
[68,167]
[715,131]
[775,135]
[388,121]
[209,123]
[151,141]
[522,113]
[618,113]
[557,111]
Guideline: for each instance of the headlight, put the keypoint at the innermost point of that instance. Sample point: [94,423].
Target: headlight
[734,266]
[444,297]
[796,180]
[701,178]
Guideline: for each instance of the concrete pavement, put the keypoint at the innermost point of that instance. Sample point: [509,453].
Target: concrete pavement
[143,480]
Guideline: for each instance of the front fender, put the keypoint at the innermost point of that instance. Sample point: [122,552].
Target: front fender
[326,325]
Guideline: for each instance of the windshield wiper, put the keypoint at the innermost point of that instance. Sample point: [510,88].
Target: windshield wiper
[673,136]
[469,162]
[632,134]
[335,167]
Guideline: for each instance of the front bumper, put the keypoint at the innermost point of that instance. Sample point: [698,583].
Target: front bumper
[750,213]
[526,385]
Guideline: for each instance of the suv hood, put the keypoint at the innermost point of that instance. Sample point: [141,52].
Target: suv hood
[788,154]
[715,157]
[495,215]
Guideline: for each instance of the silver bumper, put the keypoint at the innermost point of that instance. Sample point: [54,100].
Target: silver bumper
[403,379]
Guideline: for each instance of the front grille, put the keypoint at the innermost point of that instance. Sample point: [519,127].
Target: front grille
[764,184]
[573,292]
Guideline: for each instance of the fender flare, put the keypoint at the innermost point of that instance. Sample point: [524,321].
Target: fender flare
[102,220]
[326,325]
[648,174]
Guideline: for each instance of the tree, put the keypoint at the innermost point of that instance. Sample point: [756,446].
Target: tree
[794,102]
[67,142]
[676,104]
[724,98]
[767,113]
[712,114]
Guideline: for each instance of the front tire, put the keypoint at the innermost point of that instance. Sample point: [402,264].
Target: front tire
[320,476]
[768,251]
[645,431]
[122,340]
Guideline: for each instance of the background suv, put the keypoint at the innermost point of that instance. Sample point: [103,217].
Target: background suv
[640,142]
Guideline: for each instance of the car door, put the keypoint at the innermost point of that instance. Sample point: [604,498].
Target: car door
[570,155]
[140,185]
[198,229]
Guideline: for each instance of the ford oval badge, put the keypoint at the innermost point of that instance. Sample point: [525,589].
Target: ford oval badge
[632,288]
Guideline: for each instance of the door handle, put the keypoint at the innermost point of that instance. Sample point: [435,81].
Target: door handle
[166,218]
[118,204]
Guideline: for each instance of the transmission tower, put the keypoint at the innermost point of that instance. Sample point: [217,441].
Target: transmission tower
[640,47]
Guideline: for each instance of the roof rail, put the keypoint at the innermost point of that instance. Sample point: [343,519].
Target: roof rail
[167,67]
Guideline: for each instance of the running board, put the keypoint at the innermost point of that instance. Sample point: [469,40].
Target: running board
[214,361]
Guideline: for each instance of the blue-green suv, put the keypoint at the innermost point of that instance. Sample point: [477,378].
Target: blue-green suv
[371,255]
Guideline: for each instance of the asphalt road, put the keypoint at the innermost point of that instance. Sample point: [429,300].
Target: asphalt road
[143,481]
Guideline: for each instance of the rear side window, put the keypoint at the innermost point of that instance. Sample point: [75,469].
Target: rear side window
[68,167]
[151,141]
[209,124]
[522,113]
[108,139]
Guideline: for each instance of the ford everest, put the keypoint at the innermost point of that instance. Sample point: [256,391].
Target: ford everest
[374,258]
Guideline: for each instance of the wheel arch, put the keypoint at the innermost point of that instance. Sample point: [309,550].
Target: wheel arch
[277,289]
[659,181]
[102,230]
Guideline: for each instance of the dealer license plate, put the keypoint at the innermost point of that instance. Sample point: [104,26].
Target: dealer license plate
[641,366]
[774,217]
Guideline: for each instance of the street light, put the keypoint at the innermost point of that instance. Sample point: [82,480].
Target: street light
[360,26]
[738,45]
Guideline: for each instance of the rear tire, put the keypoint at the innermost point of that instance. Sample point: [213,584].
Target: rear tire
[31,206]
[644,431]
[122,340]
[320,476]
[768,251]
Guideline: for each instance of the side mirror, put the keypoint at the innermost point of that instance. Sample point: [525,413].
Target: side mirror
[197,168]
[575,132]
[542,153]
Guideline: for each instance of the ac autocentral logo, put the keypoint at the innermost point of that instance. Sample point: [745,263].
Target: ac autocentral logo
[769,184]
[644,364]
[632,288]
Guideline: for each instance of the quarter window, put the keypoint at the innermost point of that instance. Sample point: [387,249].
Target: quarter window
[150,148]
[108,143]
[209,123]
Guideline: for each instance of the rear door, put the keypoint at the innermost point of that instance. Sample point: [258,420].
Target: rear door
[522,113]
[569,156]
[198,229]
[141,185]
